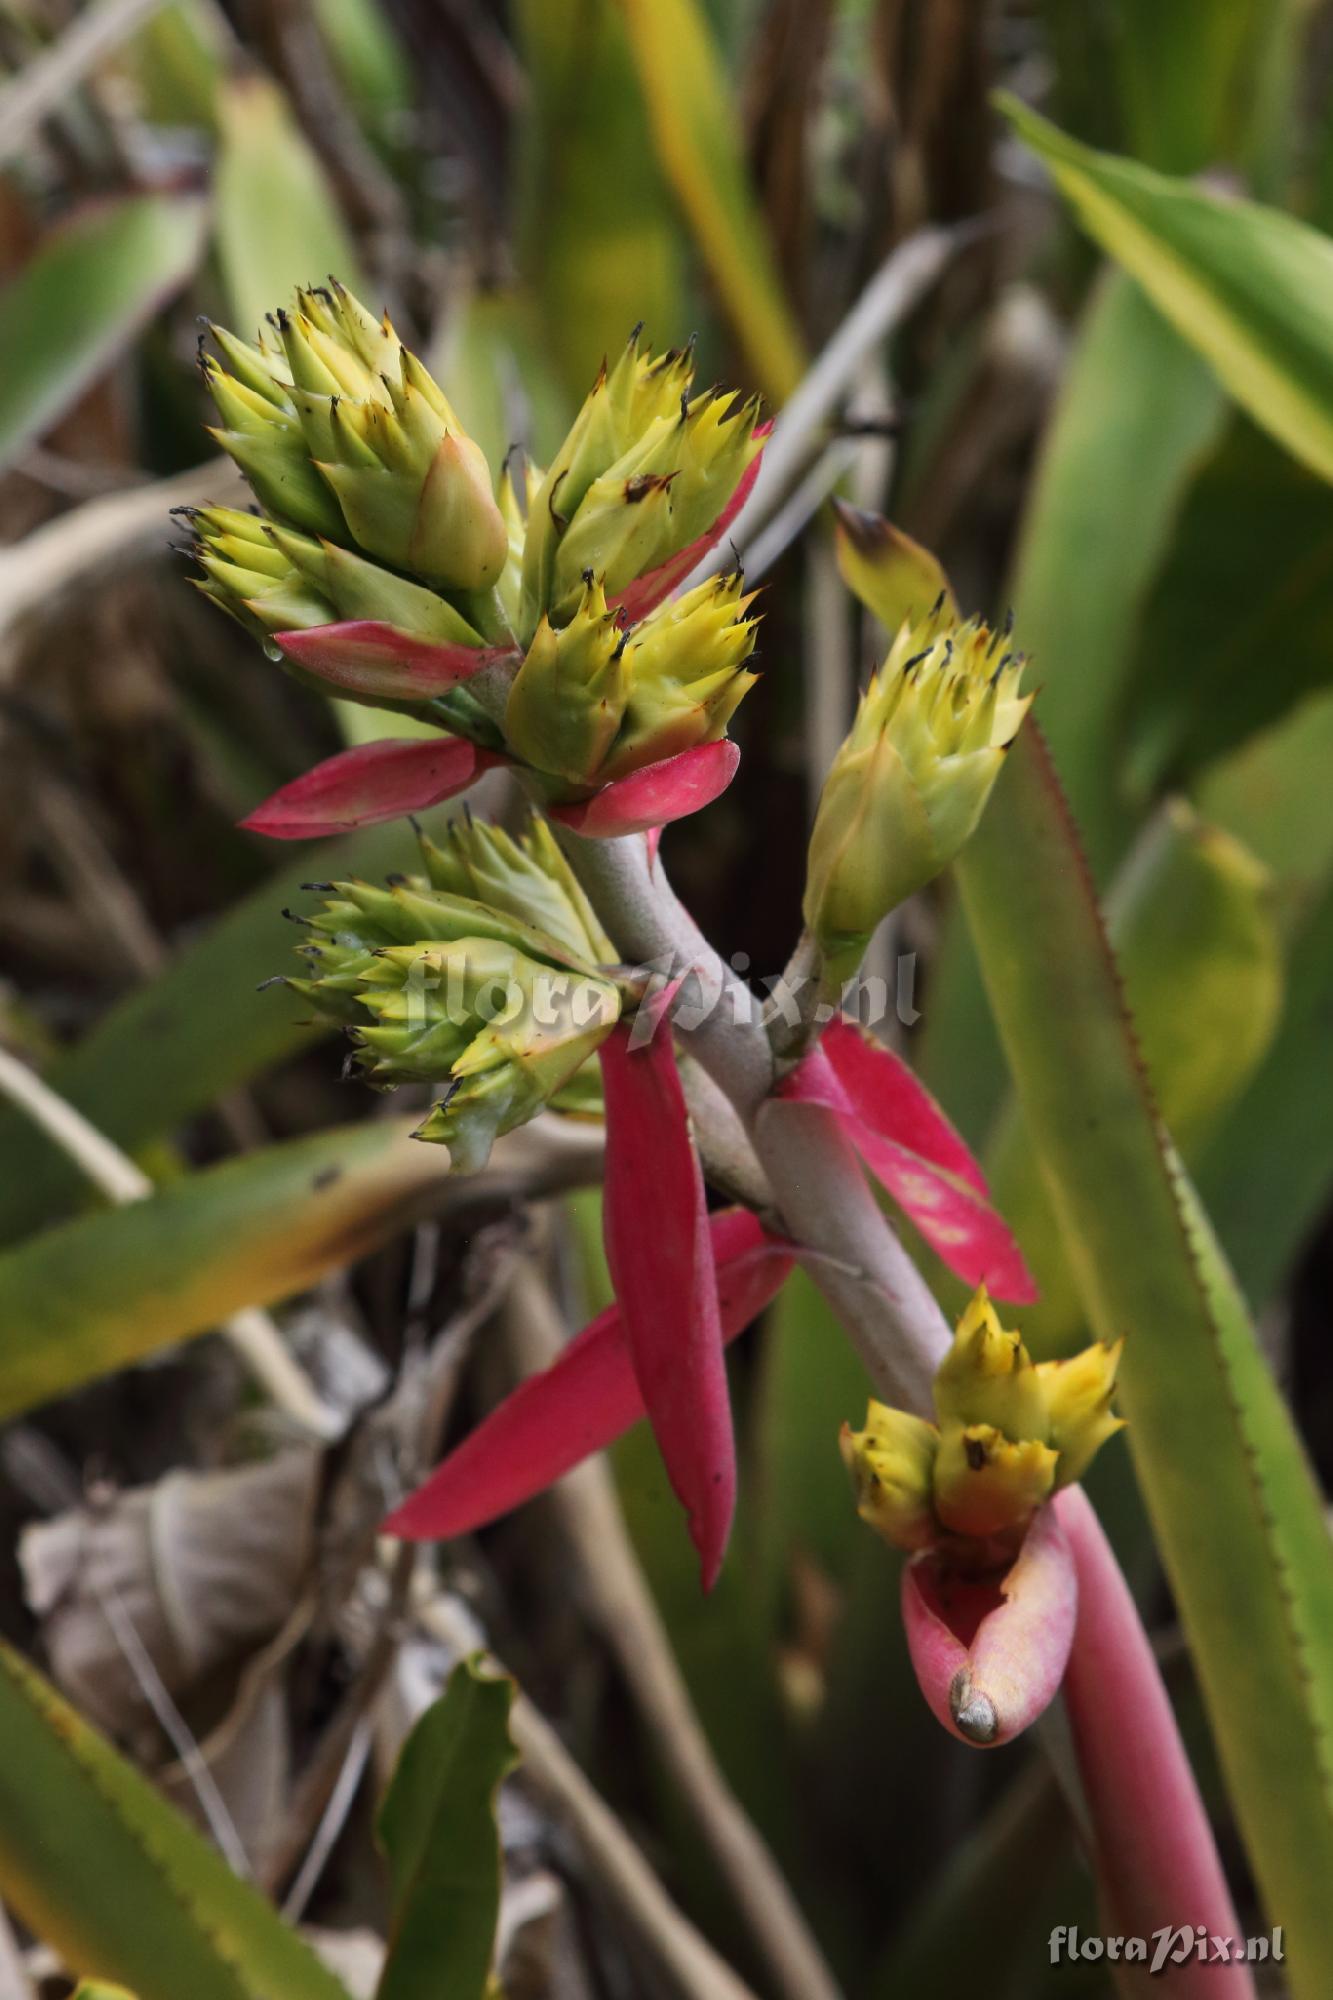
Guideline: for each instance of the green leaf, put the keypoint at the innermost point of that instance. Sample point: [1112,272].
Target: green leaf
[1247,581]
[1137,411]
[277,222]
[97,1989]
[1235,1511]
[103,1291]
[1182,87]
[811,1383]
[372,64]
[178,60]
[203,1024]
[438,1833]
[81,298]
[985,1920]
[1137,414]
[695,130]
[1191,917]
[1249,287]
[1270,794]
[97,1863]
[599,234]
[1267,1173]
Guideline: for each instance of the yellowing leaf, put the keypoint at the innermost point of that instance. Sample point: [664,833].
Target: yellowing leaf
[97,1863]
[695,132]
[1251,288]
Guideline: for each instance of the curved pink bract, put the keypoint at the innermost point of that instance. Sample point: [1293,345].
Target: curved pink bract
[912,1149]
[990,1654]
[586,1399]
[646,799]
[375,781]
[366,657]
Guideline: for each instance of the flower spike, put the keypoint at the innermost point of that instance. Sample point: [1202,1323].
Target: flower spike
[910,783]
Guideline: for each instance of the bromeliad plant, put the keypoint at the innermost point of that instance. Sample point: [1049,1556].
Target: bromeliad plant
[547,622]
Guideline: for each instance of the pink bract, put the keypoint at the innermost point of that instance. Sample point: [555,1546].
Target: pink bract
[366,657]
[660,1253]
[582,1402]
[990,1653]
[376,781]
[912,1149]
[648,798]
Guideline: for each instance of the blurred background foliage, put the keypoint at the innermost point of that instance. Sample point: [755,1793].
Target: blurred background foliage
[520,184]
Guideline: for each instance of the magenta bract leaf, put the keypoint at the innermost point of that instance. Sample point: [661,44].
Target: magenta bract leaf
[660,1253]
[959,1223]
[990,1653]
[891,1099]
[367,657]
[651,796]
[1157,1862]
[647,592]
[581,1403]
[376,781]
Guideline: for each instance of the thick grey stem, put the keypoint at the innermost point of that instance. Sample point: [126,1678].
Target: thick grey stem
[821,1193]
[857,1261]
[639,908]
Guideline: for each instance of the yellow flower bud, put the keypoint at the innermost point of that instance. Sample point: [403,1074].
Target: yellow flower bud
[988,1377]
[985,1483]
[437,987]
[529,878]
[343,433]
[686,674]
[891,1462]
[646,470]
[910,782]
[567,699]
[1009,1433]
[1078,1396]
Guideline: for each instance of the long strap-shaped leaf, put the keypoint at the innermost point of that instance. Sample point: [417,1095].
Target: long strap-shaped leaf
[437,1828]
[1234,1508]
[103,1869]
[1250,287]
[209,1026]
[694,131]
[107,1289]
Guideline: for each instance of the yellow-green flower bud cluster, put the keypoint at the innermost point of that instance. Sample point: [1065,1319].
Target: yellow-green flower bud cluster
[344,434]
[1008,1433]
[378,508]
[277,580]
[593,701]
[645,470]
[438,986]
[910,782]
